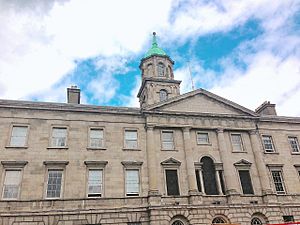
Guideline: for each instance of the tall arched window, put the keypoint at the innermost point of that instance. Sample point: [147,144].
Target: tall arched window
[149,69]
[161,70]
[163,95]
[209,176]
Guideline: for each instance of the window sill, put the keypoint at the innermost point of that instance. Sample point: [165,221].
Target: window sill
[169,150]
[204,144]
[17,147]
[50,199]
[274,153]
[131,149]
[95,149]
[239,152]
[132,195]
[295,153]
[57,147]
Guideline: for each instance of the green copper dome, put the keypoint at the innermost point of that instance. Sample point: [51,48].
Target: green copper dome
[155,50]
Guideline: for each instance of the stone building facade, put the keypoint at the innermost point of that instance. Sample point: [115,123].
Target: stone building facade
[179,159]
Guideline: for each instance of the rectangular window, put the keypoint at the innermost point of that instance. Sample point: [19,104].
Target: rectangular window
[287,219]
[172,182]
[12,182]
[294,144]
[96,138]
[237,144]
[268,143]
[167,140]
[59,137]
[95,183]
[131,139]
[278,181]
[18,136]
[202,138]
[132,182]
[54,183]
[246,181]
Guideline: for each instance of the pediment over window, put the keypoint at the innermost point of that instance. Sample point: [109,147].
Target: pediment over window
[171,162]
[14,163]
[131,163]
[243,162]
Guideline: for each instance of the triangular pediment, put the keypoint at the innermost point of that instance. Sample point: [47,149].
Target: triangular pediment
[242,162]
[171,162]
[201,101]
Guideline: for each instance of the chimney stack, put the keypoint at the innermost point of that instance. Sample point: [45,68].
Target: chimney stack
[266,109]
[73,95]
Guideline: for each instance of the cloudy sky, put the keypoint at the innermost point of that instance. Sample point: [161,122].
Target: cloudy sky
[245,50]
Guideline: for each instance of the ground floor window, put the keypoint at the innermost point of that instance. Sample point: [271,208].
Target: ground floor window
[177,222]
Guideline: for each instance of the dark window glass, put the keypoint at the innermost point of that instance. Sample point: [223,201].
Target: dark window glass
[172,182]
[246,182]
[209,176]
[198,180]
[288,218]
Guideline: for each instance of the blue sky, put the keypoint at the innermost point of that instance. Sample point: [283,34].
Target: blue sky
[246,51]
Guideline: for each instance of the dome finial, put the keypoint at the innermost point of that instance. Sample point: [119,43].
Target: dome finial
[154,42]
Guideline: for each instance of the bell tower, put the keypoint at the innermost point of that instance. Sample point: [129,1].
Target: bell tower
[158,82]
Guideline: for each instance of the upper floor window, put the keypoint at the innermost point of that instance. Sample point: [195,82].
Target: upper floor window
[202,138]
[59,137]
[132,182]
[54,183]
[12,183]
[161,70]
[294,144]
[96,138]
[163,95]
[246,181]
[167,140]
[131,139]
[95,183]
[172,182]
[268,143]
[278,181]
[237,144]
[18,136]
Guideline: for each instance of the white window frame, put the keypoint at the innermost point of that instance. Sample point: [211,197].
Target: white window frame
[272,143]
[103,138]
[242,149]
[161,67]
[94,194]
[173,140]
[20,170]
[202,143]
[291,145]
[61,185]
[66,137]
[125,140]
[135,194]
[277,168]
[132,165]
[11,136]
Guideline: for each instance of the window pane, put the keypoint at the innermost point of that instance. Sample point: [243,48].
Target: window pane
[160,70]
[278,181]
[18,136]
[132,182]
[268,143]
[59,136]
[202,138]
[95,183]
[163,95]
[11,183]
[54,183]
[237,142]
[131,139]
[172,182]
[96,138]
[167,140]
[246,182]
[294,144]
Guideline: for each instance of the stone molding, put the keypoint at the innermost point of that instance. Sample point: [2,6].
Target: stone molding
[16,164]
[95,163]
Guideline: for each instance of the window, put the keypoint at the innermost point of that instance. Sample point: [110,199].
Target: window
[132,182]
[198,179]
[59,137]
[246,181]
[177,222]
[209,176]
[161,70]
[278,181]
[172,182]
[237,144]
[12,182]
[95,183]
[294,144]
[131,139]
[18,136]
[54,183]
[167,140]
[218,220]
[256,221]
[163,95]
[96,138]
[202,138]
[287,219]
[268,143]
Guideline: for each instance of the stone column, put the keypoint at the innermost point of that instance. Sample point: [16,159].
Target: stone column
[219,187]
[151,158]
[190,168]
[260,164]
[229,175]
